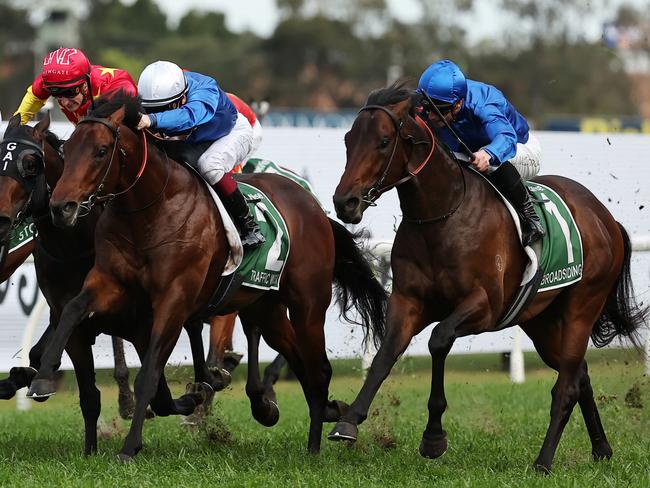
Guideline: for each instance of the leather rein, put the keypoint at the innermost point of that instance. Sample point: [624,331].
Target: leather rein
[375,191]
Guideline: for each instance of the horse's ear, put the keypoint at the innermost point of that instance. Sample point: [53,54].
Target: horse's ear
[117,117]
[415,131]
[43,124]
[14,122]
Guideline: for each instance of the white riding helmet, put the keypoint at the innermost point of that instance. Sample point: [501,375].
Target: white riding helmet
[161,83]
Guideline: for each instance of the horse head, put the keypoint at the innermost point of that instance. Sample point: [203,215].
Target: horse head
[384,139]
[23,152]
[95,159]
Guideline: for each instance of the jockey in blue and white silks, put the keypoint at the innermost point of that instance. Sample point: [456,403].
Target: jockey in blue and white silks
[200,124]
[491,128]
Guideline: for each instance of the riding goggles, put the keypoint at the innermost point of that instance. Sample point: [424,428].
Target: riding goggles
[429,105]
[64,91]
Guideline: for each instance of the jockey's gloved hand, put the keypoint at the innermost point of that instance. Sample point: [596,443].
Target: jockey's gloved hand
[481,161]
[144,122]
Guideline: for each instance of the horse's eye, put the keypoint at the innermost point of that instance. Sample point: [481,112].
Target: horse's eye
[384,142]
[102,152]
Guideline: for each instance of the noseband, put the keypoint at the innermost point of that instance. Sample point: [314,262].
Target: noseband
[95,196]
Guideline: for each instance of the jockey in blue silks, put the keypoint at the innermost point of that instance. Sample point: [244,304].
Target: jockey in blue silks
[199,124]
[478,117]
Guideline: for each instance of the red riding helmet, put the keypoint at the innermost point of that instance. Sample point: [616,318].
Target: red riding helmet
[65,67]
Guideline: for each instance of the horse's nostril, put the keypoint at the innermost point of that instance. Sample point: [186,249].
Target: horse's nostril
[352,203]
[69,208]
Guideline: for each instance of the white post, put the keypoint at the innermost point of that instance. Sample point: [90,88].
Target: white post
[647,354]
[517,374]
[22,402]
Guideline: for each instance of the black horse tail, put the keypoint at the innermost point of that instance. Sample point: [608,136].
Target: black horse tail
[622,316]
[357,287]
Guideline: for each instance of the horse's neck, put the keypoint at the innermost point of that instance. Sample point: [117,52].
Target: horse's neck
[436,190]
[154,197]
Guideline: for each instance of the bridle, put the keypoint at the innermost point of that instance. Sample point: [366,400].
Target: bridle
[96,197]
[20,174]
[376,190]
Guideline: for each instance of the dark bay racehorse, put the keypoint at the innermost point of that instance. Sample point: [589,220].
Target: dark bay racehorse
[457,259]
[62,258]
[161,241]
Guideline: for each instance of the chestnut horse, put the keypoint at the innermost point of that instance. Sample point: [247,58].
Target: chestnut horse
[161,241]
[62,258]
[454,226]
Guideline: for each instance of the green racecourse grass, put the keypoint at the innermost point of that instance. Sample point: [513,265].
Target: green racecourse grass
[495,431]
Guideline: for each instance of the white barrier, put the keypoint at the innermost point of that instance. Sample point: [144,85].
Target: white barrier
[608,164]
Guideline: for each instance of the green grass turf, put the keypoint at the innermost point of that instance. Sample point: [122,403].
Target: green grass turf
[495,431]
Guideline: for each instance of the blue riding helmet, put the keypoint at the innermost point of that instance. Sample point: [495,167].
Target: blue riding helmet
[444,81]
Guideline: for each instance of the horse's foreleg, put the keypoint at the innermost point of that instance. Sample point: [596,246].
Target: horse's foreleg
[125,399]
[471,314]
[20,377]
[99,295]
[403,322]
[169,315]
[81,354]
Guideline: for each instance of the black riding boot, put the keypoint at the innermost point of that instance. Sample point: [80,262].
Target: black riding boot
[508,181]
[251,235]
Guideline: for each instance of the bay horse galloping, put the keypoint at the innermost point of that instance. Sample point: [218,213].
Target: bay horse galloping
[457,259]
[62,259]
[161,241]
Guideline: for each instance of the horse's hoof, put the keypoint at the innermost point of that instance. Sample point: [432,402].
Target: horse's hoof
[602,452]
[222,379]
[435,447]
[186,404]
[124,458]
[335,409]
[542,468]
[41,388]
[268,414]
[344,431]
[231,360]
[126,405]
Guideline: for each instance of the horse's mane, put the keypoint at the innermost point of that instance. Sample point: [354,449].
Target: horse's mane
[107,105]
[395,93]
[53,140]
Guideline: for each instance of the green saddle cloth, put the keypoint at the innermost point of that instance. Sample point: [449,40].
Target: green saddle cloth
[257,165]
[22,234]
[561,257]
[262,267]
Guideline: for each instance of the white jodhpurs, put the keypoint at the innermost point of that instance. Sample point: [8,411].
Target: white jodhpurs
[258,133]
[528,158]
[226,152]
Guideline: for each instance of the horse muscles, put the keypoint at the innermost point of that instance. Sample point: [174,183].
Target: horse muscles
[444,270]
[176,280]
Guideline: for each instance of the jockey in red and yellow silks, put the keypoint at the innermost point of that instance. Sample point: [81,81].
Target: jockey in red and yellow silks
[68,76]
